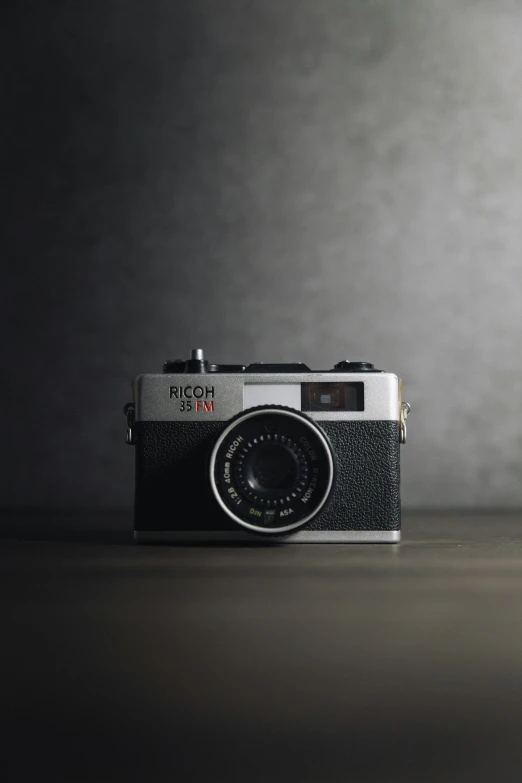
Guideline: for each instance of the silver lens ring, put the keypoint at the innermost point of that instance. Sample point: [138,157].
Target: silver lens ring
[272,511]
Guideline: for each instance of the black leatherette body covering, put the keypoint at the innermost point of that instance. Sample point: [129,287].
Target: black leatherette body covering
[173,489]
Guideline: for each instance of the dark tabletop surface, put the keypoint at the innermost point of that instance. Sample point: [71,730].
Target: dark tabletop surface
[302,662]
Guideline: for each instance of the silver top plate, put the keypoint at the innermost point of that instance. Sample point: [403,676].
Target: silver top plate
[219,396]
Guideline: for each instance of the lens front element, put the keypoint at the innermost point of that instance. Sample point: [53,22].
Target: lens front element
[271,469]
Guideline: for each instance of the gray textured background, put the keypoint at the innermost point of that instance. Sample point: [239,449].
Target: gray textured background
[271,180]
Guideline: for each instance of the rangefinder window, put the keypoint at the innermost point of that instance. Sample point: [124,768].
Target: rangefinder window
[340,396]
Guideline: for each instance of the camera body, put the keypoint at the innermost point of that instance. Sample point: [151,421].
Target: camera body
[267,453]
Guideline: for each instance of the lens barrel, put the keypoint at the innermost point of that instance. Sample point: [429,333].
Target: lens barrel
[272,469]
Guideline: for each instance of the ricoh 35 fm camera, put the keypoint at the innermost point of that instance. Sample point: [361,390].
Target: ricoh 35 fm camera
[267,452]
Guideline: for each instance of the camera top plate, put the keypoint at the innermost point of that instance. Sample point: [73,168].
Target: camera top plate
[196,390]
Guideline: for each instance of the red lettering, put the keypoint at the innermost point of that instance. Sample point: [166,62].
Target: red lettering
[208,406]
[198,405]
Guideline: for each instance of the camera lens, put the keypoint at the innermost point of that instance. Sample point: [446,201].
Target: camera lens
[271,469]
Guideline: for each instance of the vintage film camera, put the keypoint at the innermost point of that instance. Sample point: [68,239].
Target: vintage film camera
[267,453]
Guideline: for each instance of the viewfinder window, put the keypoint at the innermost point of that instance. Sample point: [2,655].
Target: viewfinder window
[342,396]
